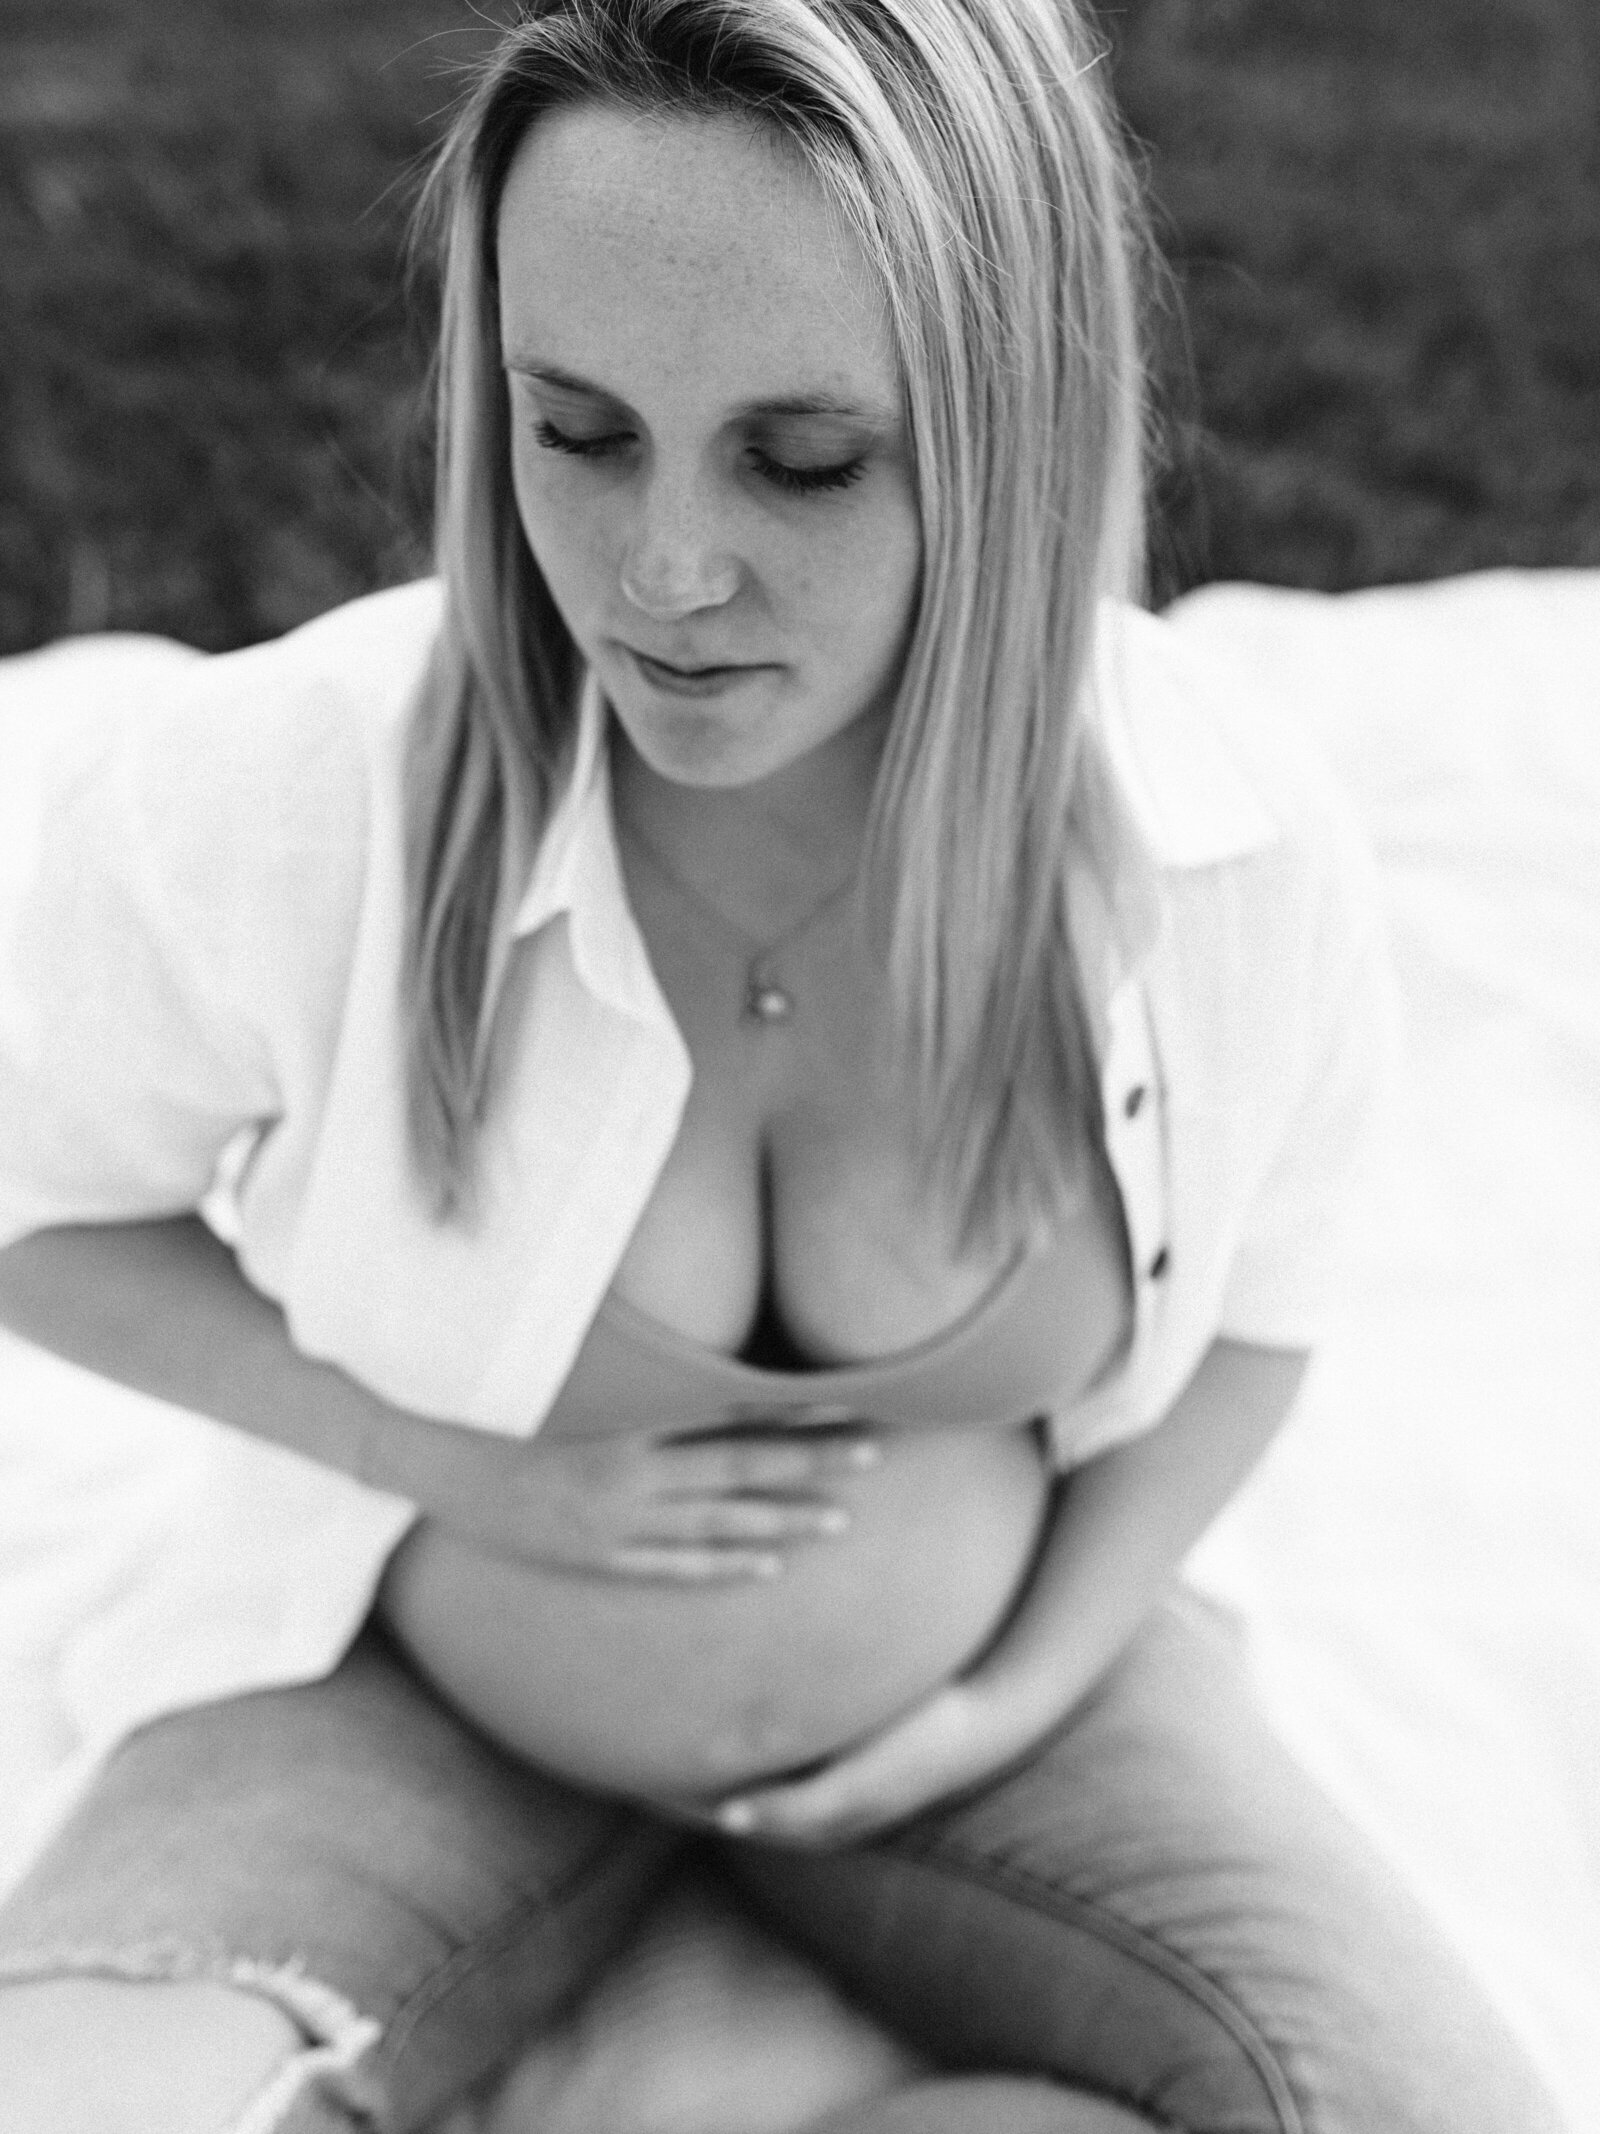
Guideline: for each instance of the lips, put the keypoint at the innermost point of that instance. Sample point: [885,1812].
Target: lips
[671,679]
[684,671]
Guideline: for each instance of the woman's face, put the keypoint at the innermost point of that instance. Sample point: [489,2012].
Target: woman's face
[710,462]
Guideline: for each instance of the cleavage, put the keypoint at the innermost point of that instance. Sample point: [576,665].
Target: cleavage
[795,1236]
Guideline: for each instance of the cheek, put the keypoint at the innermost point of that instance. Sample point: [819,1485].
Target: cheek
[560,529]
[868,578]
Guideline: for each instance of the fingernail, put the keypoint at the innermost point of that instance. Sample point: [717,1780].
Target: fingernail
[833,1522]
[767,1566]
[737,1818]
[866,1452]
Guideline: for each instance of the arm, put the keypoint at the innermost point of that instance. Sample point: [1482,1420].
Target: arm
[162,1307]
[1125,1521]
[1121,1525]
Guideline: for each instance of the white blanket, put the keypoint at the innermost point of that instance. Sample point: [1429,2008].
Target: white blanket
[1419,1559]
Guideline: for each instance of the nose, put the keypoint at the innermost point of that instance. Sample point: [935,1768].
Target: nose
[677,560]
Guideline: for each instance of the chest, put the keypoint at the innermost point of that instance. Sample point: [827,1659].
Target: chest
[794,1198]
[595,1179]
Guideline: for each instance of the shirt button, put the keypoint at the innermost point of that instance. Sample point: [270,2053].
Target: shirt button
[1133,1102]
[1159,1265]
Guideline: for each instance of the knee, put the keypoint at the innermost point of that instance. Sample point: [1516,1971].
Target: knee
[110,2056]
[1000,2104]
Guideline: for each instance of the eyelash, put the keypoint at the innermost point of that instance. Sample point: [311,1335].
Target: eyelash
[794,481]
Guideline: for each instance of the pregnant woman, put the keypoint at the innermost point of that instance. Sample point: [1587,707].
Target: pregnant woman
[778,1075]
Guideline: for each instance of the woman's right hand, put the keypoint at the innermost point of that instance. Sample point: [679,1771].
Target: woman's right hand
[161,1306]
[727,1502]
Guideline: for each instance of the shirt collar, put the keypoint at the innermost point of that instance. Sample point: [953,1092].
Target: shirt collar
[577,872]
[1163,791]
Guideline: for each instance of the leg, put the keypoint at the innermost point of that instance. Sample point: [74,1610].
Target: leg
[1161,1910]
[994,2104]
[343,1892]
[703,2024]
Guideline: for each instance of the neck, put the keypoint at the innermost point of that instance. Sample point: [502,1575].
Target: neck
[760,849]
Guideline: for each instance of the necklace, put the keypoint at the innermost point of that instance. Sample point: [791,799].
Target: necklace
[767,1002]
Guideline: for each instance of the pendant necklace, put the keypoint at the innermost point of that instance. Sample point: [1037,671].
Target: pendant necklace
[767,1002]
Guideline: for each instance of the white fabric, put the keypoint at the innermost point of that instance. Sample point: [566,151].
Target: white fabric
[1419,1559]
[200,945]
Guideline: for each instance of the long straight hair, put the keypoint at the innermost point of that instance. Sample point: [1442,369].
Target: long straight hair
[970,148]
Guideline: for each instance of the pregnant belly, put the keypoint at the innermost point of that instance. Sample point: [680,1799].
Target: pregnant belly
[656,1690]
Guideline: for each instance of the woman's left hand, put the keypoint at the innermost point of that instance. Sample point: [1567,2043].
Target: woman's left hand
[961,1735]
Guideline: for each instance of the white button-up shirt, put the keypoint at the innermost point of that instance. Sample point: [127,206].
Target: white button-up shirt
[200,931]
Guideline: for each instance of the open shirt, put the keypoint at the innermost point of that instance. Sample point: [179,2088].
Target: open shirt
[201,921]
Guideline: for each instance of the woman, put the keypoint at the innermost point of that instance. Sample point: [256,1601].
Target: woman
[785,1079]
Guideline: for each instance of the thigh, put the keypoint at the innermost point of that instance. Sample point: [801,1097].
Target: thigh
[1161,1908]
[418,1901]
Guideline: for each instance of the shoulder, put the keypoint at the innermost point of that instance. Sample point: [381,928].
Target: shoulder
[285,729]
[258,773]
[219,808]
[1267,904]
[1214,765]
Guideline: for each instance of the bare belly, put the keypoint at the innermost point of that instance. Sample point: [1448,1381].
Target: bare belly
[654,1690]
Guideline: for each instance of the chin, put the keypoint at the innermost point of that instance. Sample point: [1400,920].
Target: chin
[695,745]
[708,769]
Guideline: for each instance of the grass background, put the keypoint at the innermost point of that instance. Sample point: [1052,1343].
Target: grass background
[1381,359]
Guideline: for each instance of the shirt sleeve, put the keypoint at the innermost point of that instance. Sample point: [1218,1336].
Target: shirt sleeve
[1326,1128]
[126,1064]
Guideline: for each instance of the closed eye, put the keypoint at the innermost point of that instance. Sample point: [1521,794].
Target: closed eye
[555,440]
[806,481]
[793,481]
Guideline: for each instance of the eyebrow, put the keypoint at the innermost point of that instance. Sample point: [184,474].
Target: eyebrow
[784,404]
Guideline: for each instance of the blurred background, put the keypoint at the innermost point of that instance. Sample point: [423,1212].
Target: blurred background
[1379,357]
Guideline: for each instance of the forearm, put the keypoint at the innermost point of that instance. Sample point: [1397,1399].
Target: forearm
[1124,1521]
[163,1308]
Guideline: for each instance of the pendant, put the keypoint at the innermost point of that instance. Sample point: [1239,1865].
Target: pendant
[766,1002]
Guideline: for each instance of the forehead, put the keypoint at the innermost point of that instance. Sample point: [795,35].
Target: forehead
[636,249]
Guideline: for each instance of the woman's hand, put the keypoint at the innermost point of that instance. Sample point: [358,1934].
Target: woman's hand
[1118,1531]
[696,1507]
[966,1732]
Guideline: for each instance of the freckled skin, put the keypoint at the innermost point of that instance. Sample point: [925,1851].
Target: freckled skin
[690,268]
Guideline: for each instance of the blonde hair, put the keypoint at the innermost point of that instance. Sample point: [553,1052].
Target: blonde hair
[970,147]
